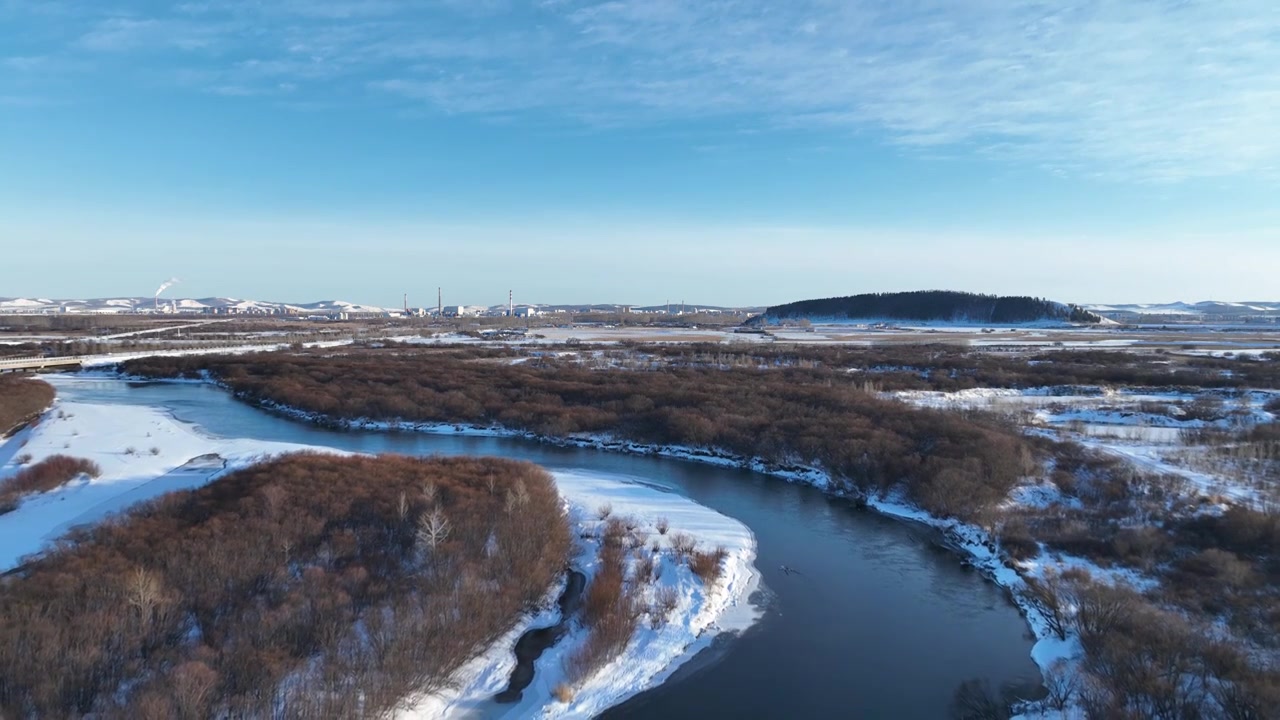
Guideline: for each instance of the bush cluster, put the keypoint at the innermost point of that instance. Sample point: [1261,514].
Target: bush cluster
[1144,661]
[52,472]
[1272,406]
[612,606]
[21,400]
[309,586]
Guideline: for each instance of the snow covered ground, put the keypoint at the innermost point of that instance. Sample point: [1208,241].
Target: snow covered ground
[1121,423]
[143,452]
[654,653]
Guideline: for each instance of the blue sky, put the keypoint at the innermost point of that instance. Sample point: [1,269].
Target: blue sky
[715,151]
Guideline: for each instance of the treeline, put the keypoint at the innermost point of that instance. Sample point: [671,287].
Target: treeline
[310,586]
[949,368]
[22,399]
[934,305]
[52,472]
[950,464]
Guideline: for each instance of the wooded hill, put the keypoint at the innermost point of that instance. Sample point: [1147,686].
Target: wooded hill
[931,306]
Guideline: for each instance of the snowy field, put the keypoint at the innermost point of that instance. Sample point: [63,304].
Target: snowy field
[1123,424]
[144,452]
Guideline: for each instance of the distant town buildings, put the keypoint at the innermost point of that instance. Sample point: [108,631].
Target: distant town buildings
[331,310]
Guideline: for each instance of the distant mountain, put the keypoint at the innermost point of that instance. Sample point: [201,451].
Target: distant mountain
[1207,310]
[930,306]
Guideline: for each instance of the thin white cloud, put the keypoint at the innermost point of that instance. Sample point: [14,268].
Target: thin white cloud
[1150,89]
[123,34]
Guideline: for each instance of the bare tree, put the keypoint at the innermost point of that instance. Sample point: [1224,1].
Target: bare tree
[517,497]
[433,529]
[977,700]
[192,684]
[144,592]
[429,492]
[1061,683]
[1051,596]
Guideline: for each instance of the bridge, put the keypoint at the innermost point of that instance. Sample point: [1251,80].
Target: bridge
[28,364]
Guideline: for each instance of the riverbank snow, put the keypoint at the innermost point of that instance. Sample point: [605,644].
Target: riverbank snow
[701,613]
[143,452]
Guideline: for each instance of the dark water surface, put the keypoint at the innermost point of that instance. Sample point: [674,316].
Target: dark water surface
[878,624]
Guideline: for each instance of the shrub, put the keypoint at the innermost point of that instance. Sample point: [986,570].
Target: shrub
[663,525]
[1016,540]
[611,609]
[563,693]
[665,601]
[614,534]
[644,566]
[682,544]
[48,474]
[1208,408]
[708,565]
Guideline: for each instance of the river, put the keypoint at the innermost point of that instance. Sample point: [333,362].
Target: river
[878,622]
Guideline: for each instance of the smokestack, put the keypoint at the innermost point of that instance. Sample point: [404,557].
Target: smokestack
[510,294]
[164,286]
[439,302]
[406,303]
